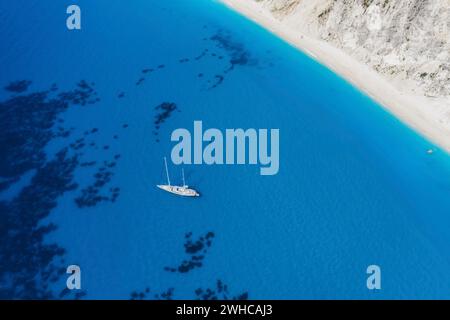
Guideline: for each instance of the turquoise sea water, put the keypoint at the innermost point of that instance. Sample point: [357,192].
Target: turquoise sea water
[356,187]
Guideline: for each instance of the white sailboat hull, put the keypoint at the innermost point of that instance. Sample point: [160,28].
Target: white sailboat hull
[180,191]
[183,191]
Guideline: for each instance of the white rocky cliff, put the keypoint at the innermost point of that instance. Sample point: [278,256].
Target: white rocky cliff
[406,41]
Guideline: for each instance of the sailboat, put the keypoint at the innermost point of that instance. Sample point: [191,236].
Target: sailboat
[183,191]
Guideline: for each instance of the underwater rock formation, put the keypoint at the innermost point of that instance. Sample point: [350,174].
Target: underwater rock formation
[28,264]
[18,86]
[195,250]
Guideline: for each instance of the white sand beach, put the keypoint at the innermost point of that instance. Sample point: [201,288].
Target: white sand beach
[418,112]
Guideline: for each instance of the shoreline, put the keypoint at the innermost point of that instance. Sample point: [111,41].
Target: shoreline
[414,111]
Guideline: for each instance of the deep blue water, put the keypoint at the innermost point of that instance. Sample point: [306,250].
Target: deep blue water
[81,151]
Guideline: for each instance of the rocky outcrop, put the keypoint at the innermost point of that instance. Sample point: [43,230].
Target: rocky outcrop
[407,41]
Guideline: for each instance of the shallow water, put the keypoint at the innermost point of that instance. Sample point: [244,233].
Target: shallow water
[356,187]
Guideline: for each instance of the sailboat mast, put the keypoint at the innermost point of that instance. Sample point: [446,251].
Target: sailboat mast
[167,171]
[182,172]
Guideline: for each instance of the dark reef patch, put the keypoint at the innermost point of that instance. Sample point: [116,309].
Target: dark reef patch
[140,81]
[77,296]
[166,295]
[164,111]
[88,164]
[78,144]
[201,55]
[28,264]
[238,54]
[62,132]
[195,250]
[27,123]
[147,70]
[82,95]
[94,193]
[144,295]
[18,86]
[219,80]
[218,292]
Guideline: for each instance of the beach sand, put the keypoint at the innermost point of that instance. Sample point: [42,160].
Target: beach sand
[418,112]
